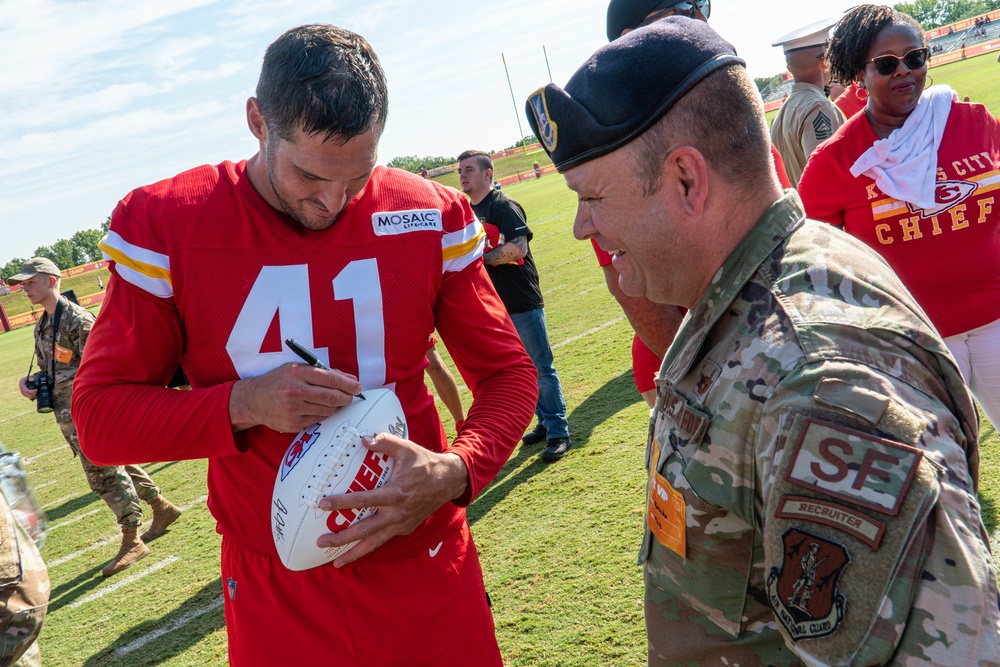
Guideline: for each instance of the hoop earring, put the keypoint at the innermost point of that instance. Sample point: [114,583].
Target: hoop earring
[862,92]
[930,83]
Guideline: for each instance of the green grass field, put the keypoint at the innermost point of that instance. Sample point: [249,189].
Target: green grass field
[558,542]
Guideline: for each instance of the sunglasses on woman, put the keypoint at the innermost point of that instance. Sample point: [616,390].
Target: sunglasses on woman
[684,8]
[887,64]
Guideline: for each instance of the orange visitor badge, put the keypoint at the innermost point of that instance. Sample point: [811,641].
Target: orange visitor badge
[665,514]
[63,356]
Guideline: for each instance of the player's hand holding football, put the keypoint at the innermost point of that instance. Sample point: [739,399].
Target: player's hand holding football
[290,397]
[422,481]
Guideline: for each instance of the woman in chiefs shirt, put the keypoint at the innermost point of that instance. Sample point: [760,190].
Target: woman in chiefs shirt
[917,178]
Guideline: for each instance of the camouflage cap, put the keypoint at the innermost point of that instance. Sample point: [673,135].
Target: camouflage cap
[34,266]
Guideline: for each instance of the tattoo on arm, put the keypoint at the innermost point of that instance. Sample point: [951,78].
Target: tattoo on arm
[511,251]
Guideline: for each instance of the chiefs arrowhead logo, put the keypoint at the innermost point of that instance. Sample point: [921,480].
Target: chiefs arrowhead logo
[303,441]
[946,194]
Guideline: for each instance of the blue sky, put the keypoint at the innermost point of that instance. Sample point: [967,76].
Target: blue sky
[100,96]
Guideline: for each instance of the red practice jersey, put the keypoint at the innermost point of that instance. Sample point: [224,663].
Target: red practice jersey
[948,256]
[206,273]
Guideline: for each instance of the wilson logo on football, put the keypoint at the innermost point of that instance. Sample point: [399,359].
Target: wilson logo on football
[303,441]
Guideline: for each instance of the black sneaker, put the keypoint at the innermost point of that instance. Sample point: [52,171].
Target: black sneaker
[536,436]
[556,449]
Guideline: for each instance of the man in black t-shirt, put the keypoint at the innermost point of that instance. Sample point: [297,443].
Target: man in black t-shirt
[512,269]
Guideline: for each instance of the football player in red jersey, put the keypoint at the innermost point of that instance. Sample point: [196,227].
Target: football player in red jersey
[309,240]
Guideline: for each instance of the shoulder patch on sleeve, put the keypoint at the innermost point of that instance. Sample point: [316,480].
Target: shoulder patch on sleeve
[804,592]
[822,126]
[854,493]
[850,465]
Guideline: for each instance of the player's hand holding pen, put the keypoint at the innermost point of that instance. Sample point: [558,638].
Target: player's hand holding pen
[291,396]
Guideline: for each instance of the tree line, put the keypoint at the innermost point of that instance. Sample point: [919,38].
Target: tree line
[936,13]
[80,248]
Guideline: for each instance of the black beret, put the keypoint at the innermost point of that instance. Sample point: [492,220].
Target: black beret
[624,88]
[629,14]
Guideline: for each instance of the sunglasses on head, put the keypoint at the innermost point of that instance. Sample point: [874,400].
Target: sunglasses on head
[685,8]
[887,64]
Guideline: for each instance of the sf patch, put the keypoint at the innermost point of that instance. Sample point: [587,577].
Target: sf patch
[803,593]
[853,466]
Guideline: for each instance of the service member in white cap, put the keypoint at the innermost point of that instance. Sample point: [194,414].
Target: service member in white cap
[807,118]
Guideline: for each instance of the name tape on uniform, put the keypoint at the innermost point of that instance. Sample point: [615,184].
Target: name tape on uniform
[837,516]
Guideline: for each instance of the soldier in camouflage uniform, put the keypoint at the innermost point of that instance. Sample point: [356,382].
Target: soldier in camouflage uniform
[24,593]
[120,487]
[813,453]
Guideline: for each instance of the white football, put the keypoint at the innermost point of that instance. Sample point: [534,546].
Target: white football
[328,459]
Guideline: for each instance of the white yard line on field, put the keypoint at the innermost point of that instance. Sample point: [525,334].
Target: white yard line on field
[19,414]
[44,484]
[607,324]
[197,501]
[591,289]
[74,519]
[588,332]
[572,259]
[56,502]
[30,459]
[123,582]
[168,628]
[104,541]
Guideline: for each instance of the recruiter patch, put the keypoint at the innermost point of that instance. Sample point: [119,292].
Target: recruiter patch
[837,516]
[850,465]
[803,593]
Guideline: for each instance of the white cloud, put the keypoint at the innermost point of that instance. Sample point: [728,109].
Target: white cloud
[100,96]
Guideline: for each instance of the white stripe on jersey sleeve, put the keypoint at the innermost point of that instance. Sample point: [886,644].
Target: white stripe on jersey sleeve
[147,270]
[462,248]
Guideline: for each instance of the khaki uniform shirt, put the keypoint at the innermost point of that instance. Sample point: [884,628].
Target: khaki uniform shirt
[805,120]
[813,463]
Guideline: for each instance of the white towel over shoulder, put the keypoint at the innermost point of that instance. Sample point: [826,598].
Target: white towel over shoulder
[904,164]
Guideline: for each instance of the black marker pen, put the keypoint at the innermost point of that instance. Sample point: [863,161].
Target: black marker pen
[310,358]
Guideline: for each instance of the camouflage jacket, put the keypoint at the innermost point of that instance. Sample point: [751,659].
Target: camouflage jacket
[74,327]
[813,463]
